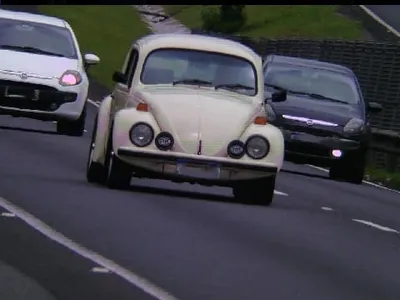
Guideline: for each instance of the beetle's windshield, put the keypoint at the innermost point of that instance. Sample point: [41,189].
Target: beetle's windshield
[32,37]
[326,84]
[195,67]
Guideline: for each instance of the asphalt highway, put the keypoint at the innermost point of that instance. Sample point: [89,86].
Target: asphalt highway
[189,240]
[319,240]
[388,13]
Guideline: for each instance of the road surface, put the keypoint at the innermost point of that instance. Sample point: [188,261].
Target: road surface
[320,239]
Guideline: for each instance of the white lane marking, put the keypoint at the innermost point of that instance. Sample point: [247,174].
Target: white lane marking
[379,20]
[280,193]
[377,226]
[326,208]
[364,181]
[7,214]
[95,103]
[100,270]
[99,260]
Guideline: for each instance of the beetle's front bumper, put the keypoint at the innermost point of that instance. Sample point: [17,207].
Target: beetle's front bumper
[196,168]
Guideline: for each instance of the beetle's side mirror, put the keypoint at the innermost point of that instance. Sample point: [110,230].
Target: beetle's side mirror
[279,96]
[119,77]
[374,107]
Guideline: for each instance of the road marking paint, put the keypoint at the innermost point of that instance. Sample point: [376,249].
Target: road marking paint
[379,20]
[95,103]
[326,208]
[8,214]
[100,270]
[280,193]
[377,226]
[136,280]
[364,181]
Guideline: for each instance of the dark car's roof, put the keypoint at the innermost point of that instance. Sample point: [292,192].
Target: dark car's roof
[296,61]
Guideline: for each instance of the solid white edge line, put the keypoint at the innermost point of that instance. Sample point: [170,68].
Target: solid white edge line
[136,280]
[379,20]
[364,181]
[377,226]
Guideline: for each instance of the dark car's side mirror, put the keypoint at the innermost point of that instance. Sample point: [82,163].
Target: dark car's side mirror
[119,77]
[279,96]
[374,107]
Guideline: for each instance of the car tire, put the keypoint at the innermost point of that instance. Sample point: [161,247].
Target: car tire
[256,192]
[72,128]
[119,174]
[350,169]
[95,172]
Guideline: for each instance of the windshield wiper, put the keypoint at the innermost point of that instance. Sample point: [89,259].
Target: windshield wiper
[234,86]
[192,81]
[319,96]
[30,50]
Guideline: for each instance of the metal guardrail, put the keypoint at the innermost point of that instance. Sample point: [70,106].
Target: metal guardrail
[377,66]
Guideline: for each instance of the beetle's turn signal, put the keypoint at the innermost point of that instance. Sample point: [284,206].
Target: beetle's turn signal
[260,121]
[142,107]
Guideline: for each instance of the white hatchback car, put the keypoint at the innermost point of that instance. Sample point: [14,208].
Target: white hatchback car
[188,108]
[42,72]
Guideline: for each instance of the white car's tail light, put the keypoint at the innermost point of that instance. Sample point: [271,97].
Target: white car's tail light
[70,78]
[141,134]
[257,147]
[236,149]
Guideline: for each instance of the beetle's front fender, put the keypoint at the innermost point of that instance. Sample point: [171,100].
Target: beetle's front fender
[275,139]
[123,122]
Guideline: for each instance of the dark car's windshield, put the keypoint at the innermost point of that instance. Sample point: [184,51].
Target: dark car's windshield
[307,80]
[36,38]
[184,66]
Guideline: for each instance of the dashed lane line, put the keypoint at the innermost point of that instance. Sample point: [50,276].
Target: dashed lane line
[377,226]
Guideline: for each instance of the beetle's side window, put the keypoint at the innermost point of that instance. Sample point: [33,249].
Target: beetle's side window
[131,67]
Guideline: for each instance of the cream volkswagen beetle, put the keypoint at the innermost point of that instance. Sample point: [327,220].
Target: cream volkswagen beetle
[188,108]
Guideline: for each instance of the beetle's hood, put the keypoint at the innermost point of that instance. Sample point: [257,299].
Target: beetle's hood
[191,115]
[44,65]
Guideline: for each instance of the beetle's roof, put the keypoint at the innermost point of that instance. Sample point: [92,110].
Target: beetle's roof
[197,42]
[28,17]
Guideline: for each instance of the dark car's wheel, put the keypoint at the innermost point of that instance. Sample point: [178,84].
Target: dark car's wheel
[257,192]
[72,128]
[95,172]
[119,174]
[350,169]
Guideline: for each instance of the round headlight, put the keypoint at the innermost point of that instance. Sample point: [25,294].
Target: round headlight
[164,141]
[141,134]
[236,149]
[257,147]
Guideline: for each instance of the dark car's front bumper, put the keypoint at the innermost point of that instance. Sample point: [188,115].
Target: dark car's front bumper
[313,149]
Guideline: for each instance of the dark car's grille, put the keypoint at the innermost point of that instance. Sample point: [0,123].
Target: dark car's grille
[26,97]
[307,149]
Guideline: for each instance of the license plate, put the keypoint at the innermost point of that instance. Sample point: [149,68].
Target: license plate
[197,171]
[21,93]
[303,137]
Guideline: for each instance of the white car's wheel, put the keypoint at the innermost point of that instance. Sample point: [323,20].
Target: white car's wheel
[72,128]
[257,192]
[95,172]
[119,174]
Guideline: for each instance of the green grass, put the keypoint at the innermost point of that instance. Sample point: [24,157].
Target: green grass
[312,21]
[380,176]
[106,30]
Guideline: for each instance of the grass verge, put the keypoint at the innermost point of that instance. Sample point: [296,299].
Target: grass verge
[383,177]
[312,21]
[106,30]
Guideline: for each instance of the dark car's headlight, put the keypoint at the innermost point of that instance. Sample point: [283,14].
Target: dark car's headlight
[355,125]
[271,116]
[141,134]
[257,147]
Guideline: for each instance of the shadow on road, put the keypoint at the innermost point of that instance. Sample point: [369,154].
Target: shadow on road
[28,130]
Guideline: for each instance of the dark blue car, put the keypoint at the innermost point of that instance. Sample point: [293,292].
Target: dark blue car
[324,118]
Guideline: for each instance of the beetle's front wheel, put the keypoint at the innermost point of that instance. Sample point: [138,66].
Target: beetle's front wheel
[257,191]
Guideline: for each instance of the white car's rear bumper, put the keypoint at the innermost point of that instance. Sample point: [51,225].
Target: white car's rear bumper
[196,168]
